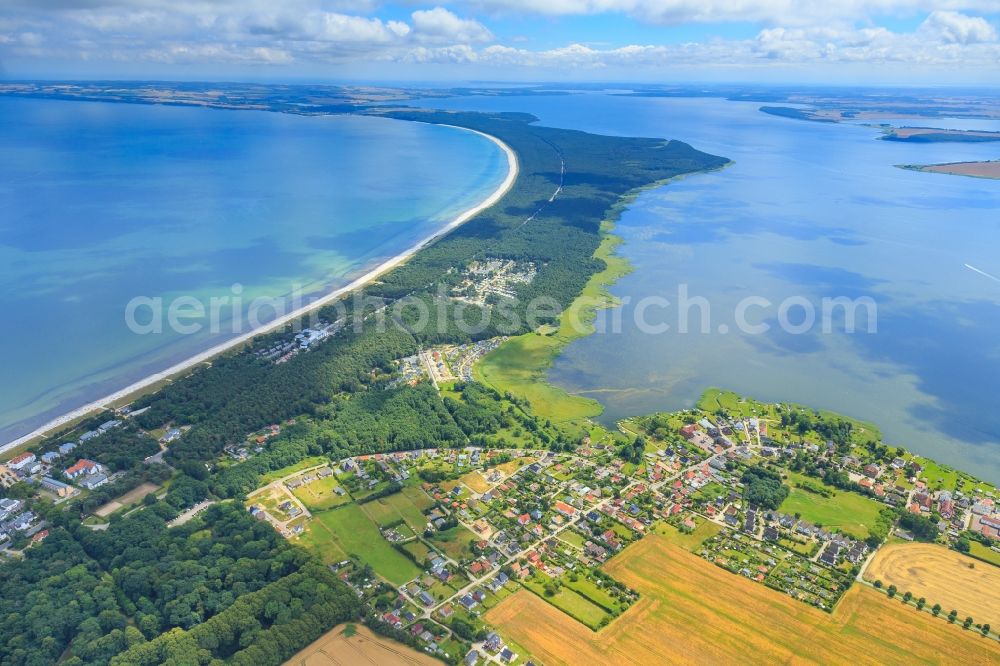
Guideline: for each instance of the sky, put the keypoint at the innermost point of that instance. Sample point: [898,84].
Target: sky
[940,42]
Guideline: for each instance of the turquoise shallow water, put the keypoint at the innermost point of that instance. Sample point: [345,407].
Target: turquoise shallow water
[101,203]
[808,210]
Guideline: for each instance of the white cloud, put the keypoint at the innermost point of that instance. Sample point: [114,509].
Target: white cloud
[356,29]
[957,28]
[319,32]
[439,24]
[186,54]
[771,12]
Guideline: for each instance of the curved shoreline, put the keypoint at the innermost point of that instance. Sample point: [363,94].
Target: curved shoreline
[374,273]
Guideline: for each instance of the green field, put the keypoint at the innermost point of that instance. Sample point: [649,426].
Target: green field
[418,549]
[981,552]
[455,542]
[714,398]
[394,508]
[292,469]
[418,498]
[597,595]
[937,476]
[689,541]
[572,538]
[319,494]
[844,511]
[348,530]
[572,603]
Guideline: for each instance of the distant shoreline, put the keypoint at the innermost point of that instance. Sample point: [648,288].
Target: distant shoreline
[371,275]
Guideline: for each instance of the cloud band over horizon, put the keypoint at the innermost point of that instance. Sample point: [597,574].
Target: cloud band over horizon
[950,41]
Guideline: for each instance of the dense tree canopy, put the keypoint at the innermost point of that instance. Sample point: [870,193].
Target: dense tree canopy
[763,488]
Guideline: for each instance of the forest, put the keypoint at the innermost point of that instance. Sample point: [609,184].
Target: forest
[212,588]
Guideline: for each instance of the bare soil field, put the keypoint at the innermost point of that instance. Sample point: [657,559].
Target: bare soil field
[131,497]
[941,576]
[694,612]
[977,169]
[334,648]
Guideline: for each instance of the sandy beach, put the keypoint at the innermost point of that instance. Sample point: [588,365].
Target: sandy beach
[371,275]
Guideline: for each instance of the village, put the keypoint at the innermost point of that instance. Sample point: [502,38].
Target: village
[464,529]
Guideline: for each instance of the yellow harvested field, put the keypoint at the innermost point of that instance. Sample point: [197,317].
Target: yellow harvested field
[362,647]
[941,576]
[475,482]
[694,612]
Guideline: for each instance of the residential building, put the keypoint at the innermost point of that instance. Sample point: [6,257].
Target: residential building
[22,461]
[94,481]
[59,488]
[82,467]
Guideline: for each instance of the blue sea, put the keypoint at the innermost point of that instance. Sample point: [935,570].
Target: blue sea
[101,203]
[808,211]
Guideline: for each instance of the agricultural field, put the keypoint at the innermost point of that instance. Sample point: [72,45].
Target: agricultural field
[350,531]
[356,644]
[942,576]
[692,611]
[842,511]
